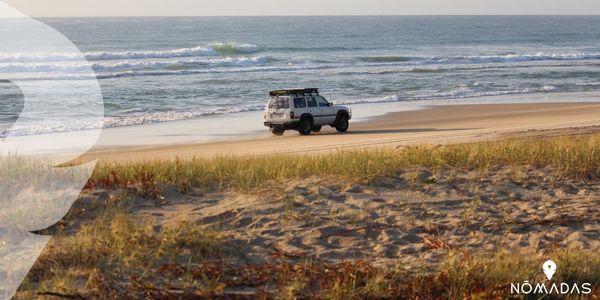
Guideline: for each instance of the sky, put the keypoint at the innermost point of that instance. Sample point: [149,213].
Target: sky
[90,8]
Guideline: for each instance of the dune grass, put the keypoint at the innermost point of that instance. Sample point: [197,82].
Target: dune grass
[570,155]
[114,256]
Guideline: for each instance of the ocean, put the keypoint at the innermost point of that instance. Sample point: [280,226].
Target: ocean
[165,69]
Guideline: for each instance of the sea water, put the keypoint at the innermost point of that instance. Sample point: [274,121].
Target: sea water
[167,69]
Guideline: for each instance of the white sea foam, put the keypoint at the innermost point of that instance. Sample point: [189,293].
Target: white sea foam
[498,58]
[114,66]
[181,64]
[215,49]
[460,92]
[529,57]
[148,117]
[220,58]
[172,70]
[548,88]
[232,70]
[131,119]
[140,118]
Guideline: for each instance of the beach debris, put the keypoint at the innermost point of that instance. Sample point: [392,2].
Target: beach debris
[432,243]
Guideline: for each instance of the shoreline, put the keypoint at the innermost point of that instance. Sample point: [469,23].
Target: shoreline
[239,127]
[434,124]
[213,128]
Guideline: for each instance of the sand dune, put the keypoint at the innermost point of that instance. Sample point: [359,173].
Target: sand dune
[416,216]
[413,218]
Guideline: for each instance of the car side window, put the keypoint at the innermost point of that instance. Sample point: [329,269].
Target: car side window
[299,103]
[322,102]
[312,102]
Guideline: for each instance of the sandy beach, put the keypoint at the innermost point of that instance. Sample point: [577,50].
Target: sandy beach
[439,124]
[420,213]
[486,212]
[448,207]
[396,217]
[137,164]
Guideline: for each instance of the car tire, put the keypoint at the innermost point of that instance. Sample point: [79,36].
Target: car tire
[305,126]
[317,128]
[277,131]
[342,124]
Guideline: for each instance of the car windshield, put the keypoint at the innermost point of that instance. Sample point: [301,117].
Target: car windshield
[279,102]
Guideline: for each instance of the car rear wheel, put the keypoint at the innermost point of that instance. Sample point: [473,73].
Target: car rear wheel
[277,131]
[305,126]
[342,124]
[317,128]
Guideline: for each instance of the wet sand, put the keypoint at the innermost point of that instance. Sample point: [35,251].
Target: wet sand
[439,124]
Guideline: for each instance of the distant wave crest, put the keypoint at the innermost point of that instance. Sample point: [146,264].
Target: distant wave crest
[460,92]
[115,66]
[466,59]
[214,49]
[386,59]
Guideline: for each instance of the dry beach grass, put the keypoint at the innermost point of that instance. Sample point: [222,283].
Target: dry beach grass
[427,222]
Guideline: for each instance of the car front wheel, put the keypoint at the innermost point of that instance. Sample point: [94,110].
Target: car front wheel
[305,126]
[342,124]
[317,128]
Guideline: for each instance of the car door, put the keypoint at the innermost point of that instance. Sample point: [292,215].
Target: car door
[326,113]
[314,109]
[300,107]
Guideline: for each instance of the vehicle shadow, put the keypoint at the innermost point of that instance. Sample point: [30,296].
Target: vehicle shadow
[384,131]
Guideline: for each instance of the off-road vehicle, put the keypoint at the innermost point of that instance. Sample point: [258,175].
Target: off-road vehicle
[304,110]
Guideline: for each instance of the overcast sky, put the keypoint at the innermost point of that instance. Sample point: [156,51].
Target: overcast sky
[83,8]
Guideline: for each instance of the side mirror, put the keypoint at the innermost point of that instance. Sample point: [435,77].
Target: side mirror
[330,104]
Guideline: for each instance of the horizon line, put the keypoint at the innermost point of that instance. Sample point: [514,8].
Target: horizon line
[329,15]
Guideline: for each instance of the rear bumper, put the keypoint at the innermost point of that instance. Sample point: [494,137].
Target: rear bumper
[285,126]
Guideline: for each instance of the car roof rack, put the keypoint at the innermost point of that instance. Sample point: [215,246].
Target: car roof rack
[286,92]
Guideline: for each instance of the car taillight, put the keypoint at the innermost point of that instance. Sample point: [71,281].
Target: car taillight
[291,114]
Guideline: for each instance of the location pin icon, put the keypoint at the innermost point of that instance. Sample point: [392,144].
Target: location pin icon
[549,269]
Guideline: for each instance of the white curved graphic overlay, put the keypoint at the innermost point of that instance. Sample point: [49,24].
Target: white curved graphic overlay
[37,187]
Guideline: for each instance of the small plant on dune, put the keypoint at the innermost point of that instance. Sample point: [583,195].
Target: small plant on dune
[490,276]
[289,204]
[180,261]
[469,210]
[124,249]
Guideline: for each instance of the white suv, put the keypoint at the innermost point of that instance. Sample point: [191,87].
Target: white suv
[304,110]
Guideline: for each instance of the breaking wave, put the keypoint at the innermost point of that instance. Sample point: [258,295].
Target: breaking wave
[167,116]
[498,58]
[215,49]
[457,93]
[386,59]
[178,64]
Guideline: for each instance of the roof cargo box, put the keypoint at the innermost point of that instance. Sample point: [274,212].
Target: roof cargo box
[285,92]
